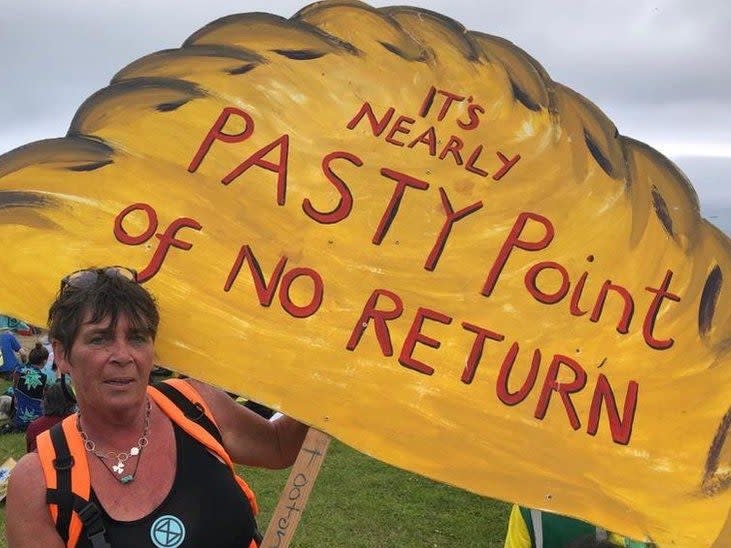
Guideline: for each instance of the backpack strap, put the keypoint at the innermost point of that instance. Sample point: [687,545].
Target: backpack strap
[56,462]
[89,514]
[68,488]
[189,401]
[184,405]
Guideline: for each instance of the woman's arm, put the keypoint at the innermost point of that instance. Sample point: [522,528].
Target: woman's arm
[27,520]
[249,438]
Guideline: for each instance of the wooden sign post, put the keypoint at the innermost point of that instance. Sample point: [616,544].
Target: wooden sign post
[297,490]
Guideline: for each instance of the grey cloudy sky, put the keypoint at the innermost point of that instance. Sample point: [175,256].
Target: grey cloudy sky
[658,69]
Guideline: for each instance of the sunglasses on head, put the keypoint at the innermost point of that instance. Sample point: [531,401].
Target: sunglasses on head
[87,277]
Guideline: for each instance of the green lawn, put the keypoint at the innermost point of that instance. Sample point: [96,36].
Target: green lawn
[360,502]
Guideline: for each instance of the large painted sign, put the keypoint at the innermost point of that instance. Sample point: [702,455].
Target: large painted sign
[410,237]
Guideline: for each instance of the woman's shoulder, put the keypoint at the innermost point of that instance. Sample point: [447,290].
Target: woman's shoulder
[28,476]
[28,522]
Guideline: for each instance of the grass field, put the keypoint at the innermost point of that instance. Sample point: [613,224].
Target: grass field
[360,502]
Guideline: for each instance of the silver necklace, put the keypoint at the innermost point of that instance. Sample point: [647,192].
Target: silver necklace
[121,457]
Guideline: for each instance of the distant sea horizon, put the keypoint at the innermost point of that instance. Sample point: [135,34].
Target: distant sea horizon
[719,215]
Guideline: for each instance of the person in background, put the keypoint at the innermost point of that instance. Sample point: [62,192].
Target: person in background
[9,350]
[49,368]
[6,407]
[530,528]
[56,407]
[156,462]
[28,390]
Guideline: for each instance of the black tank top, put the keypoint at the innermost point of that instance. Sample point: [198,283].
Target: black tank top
[205,507]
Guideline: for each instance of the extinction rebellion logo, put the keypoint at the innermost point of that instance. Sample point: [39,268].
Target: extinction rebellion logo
[167,532]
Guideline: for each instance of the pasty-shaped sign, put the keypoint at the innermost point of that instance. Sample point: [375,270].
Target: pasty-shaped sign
[406,235]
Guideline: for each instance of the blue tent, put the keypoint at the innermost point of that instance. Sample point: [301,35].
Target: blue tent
[6,322]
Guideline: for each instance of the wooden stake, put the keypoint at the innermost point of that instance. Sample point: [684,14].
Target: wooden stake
[297,490]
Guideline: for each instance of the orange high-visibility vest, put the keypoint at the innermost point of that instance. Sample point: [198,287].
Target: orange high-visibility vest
[66,469]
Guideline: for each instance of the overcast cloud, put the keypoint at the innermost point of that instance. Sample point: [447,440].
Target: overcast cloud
[658,69]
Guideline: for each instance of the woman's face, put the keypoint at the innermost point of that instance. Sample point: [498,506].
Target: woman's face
[110,366]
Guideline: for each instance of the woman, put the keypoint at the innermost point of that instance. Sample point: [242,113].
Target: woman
[152,481]
[56,407]
[28,389]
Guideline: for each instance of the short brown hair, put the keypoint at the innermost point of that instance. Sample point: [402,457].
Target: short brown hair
[55,402]
[38,355]
[107,297]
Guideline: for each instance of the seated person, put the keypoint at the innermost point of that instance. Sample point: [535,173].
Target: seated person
[10,348]
[530,528]
[56,407]
[50,368]
[29,388]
